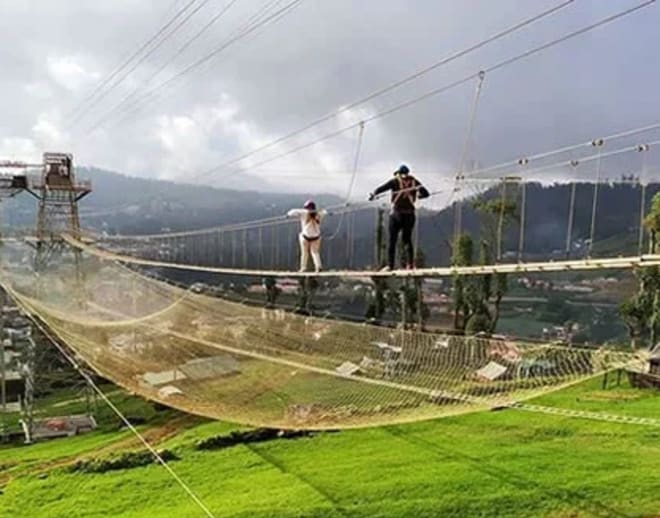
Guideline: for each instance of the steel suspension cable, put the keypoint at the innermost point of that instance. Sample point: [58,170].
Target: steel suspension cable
[406,104]
[565,149]
[140,60]
[358,206]
[397,84]
[205,59]
[139,103]
[164,65]
[128,60]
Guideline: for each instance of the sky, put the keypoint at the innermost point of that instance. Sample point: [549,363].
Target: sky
[318,57]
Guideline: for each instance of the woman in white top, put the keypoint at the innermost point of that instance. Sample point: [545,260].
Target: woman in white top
[310,233]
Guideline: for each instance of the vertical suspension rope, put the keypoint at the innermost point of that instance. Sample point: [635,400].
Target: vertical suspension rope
[233,249]
[245,250]
[291,246]
[221,250]
[275,245]
[356,160]
[642,148]
[523,212]
[571,214]
[500,222]
[416,239]
[349,191]
[216,251]
[349,241]
[458,208]
[328,257]
[594,207]
[376,251]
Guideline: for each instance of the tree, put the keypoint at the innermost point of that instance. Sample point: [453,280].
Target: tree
[477,299]
[461,256]
[376,303]
[641,312]
[497,214]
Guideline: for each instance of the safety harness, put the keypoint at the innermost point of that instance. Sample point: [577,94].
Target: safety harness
[317,224]
[406,190]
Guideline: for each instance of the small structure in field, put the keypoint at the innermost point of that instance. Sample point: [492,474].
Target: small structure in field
[654,361]
[54,427]
[651,377]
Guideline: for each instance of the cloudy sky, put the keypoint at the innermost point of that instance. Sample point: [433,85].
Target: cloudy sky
[57,91]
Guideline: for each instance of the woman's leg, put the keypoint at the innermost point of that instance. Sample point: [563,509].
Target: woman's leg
[304,252]
[315,249]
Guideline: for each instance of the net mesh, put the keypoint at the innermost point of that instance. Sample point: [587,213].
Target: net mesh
[267,367]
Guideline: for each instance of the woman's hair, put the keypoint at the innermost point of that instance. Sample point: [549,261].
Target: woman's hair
[312,214]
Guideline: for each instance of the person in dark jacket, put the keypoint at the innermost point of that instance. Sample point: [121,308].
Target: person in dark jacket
[406,189]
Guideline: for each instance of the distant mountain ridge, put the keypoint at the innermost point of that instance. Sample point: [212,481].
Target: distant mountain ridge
[127,205]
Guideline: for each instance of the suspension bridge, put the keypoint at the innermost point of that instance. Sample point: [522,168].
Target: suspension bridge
[115,303]
[102,298]
[97,293]
[222,358]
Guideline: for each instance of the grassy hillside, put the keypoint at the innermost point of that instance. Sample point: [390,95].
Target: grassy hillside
[506,463]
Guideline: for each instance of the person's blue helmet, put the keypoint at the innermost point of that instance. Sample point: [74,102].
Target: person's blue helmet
[402,170]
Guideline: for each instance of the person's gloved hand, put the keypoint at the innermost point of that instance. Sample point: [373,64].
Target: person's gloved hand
[372,196]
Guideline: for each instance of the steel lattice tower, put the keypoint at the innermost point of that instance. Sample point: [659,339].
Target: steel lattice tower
[58,194]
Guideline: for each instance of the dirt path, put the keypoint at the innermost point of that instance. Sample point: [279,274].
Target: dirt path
[154,435]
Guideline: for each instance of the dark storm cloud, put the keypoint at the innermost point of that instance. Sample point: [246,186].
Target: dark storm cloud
[320,57]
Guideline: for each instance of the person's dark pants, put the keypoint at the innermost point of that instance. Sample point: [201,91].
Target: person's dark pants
[403,222]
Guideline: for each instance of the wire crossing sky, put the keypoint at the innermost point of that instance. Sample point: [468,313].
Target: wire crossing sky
[252,72]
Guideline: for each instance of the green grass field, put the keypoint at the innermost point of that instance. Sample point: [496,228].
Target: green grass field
[505,463]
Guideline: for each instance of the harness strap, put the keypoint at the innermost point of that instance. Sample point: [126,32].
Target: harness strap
[404,191]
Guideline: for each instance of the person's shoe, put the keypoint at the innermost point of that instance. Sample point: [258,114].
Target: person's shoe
[410,266]
[386,269]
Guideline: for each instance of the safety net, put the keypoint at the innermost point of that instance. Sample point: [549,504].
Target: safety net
[267,367]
